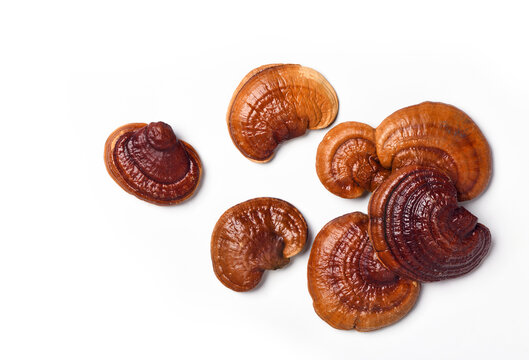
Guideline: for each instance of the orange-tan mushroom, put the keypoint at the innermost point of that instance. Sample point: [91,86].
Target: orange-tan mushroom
[149,162]
[350,288]
[346,160]
[419,231]
[429,134]
[275,103]
[251,237]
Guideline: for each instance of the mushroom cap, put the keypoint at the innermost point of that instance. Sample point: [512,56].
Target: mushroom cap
[419,231]
[440,135]
[149,162]
[278,102]
[350,288]
[253,236]
[346,160]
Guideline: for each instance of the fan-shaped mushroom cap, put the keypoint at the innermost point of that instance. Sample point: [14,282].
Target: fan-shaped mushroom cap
[349,286]
[346,160]
[277,102]
[440,135]
[149,162]
[251,237]
[419,231]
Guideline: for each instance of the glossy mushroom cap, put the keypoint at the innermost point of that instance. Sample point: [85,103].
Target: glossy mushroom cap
[251,237]
[419,231]
[349,286]
[440,135]
[149,162]
[346,160]
[278,102]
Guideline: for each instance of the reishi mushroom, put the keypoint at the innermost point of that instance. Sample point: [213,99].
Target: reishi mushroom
[419,231]
[346,160]
[275,103]
[253,236]
[349,286]
[430,134]
[148,161]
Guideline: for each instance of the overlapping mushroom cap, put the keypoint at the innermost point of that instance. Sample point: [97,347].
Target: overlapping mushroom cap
[349,286]
[429,134]
[440,135]
[346,160]
[278,102]
[149,162]
[418,229]
[251,237]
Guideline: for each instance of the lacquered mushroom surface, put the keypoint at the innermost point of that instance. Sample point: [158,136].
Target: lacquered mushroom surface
[419,231]
[275,103]
[149,162]
[346,160]
[350,288]
[251,237]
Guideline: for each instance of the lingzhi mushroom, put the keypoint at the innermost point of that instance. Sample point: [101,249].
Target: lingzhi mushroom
[253,236]
[149,162]
[275,103]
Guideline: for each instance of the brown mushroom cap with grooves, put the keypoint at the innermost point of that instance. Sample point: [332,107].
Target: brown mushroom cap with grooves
[149,162]
[350,288]
[251,237]
[346,160]
[440,135]
[275,103]
[419,231]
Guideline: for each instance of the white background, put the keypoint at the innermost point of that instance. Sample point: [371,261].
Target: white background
[88,271]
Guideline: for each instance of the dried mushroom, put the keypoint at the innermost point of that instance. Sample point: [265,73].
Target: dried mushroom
[278,102]
[350,288]
[429,134]
[419,231]
[149,162]
[251,237]
[346,160]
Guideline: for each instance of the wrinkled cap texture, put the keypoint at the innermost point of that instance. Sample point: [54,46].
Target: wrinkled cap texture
[251,237]
[149,162]
[349,286]
[419,231]
[346,160]
[275,103]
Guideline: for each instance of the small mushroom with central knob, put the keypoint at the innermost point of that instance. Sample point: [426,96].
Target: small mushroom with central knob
[149,162]
[251,237]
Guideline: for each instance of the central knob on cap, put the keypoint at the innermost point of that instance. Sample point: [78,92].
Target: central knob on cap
[161,136]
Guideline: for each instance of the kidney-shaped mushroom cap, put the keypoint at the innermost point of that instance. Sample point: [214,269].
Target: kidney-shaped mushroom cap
[251,237]
[350,288]
[277,102]
[419,231]
[440,135]
[149,162]
[346,160]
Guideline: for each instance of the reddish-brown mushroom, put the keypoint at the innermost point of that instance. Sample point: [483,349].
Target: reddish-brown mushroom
[429,134]
[349,286]
[251,237]
[346,160]
[419,231]
[149,162]
[278,102]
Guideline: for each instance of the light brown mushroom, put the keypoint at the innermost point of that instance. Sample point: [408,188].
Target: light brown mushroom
[429,134]
[346,160]
[275,103]
[350,288]
[149,162]
[251,237]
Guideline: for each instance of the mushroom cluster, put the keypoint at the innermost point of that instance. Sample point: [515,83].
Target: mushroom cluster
[418,163]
